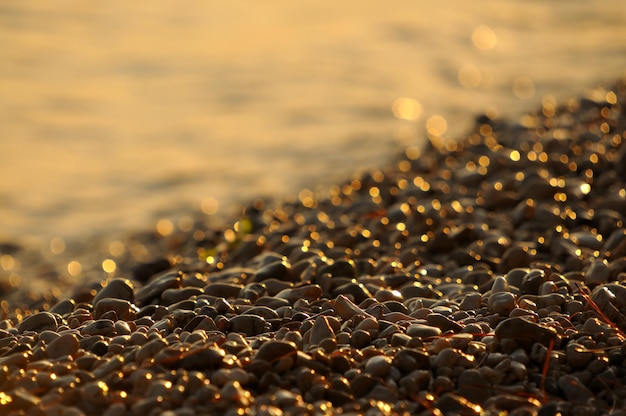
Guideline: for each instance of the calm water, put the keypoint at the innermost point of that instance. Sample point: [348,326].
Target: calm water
[116,114]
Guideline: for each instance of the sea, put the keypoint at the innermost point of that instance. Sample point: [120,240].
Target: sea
[118,116]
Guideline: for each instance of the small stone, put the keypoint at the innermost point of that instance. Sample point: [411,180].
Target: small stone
[66,344]
[38,322]
[308,292]
[500,285]
[104,327]
[249,324]
[124,309]
[63,307]
[574,390]
[510,402]
[446,358]
[274,350]
[409,360]
[501,303]
[346,309]
[321,330]
[276,270]
[474,387]
[174,295]
[597,273]
[223,290]
[156,286]
[360,338]
[451,403]
[262,311]
[471,302]
[118,288]
[524,330]
[443,322]
[423,331]
[577,355]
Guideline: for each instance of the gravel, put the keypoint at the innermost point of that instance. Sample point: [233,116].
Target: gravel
[481,276]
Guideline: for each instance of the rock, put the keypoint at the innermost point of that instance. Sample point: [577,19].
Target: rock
[308,292]
[346,309]
[443,322]
[66,344]
[274,350]
[597,272]
[474,387]
[501,303]
[321,330]
[156,286]
[118,288]
[577,355]
[378,366]
[249,325]
[423,331]
[38,322]
[522,330]
[574,390]
[124,309]
[451,403]
[279,270]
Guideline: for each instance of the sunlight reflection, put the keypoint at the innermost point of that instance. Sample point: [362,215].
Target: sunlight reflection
[109,266]
[165,227]
[406,108]
[74,268]
[484,38]
[209,206]
[116,248]
[436,125]
[524,88]
[57,245]
[469,76]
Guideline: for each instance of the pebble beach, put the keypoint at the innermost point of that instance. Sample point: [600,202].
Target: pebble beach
[478,276]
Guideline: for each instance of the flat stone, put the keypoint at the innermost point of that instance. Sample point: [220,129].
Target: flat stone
[423,331]
[223,290]
[308,292]
[38,322]
[249,324]
[274,350]
[523,330]
[443,322]
[66,344]
[104,327]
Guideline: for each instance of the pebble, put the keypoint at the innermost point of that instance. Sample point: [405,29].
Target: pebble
[523,330]
[249,325]
[118,288]
[123,308]
[423,331]
[39,322]
[574,390]
[501,303]
[65,345]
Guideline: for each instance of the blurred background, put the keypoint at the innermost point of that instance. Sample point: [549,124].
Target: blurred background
[115,115]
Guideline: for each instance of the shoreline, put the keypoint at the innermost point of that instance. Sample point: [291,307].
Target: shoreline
[484,274]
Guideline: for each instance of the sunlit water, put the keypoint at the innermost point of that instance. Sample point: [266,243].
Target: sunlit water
[115,114]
